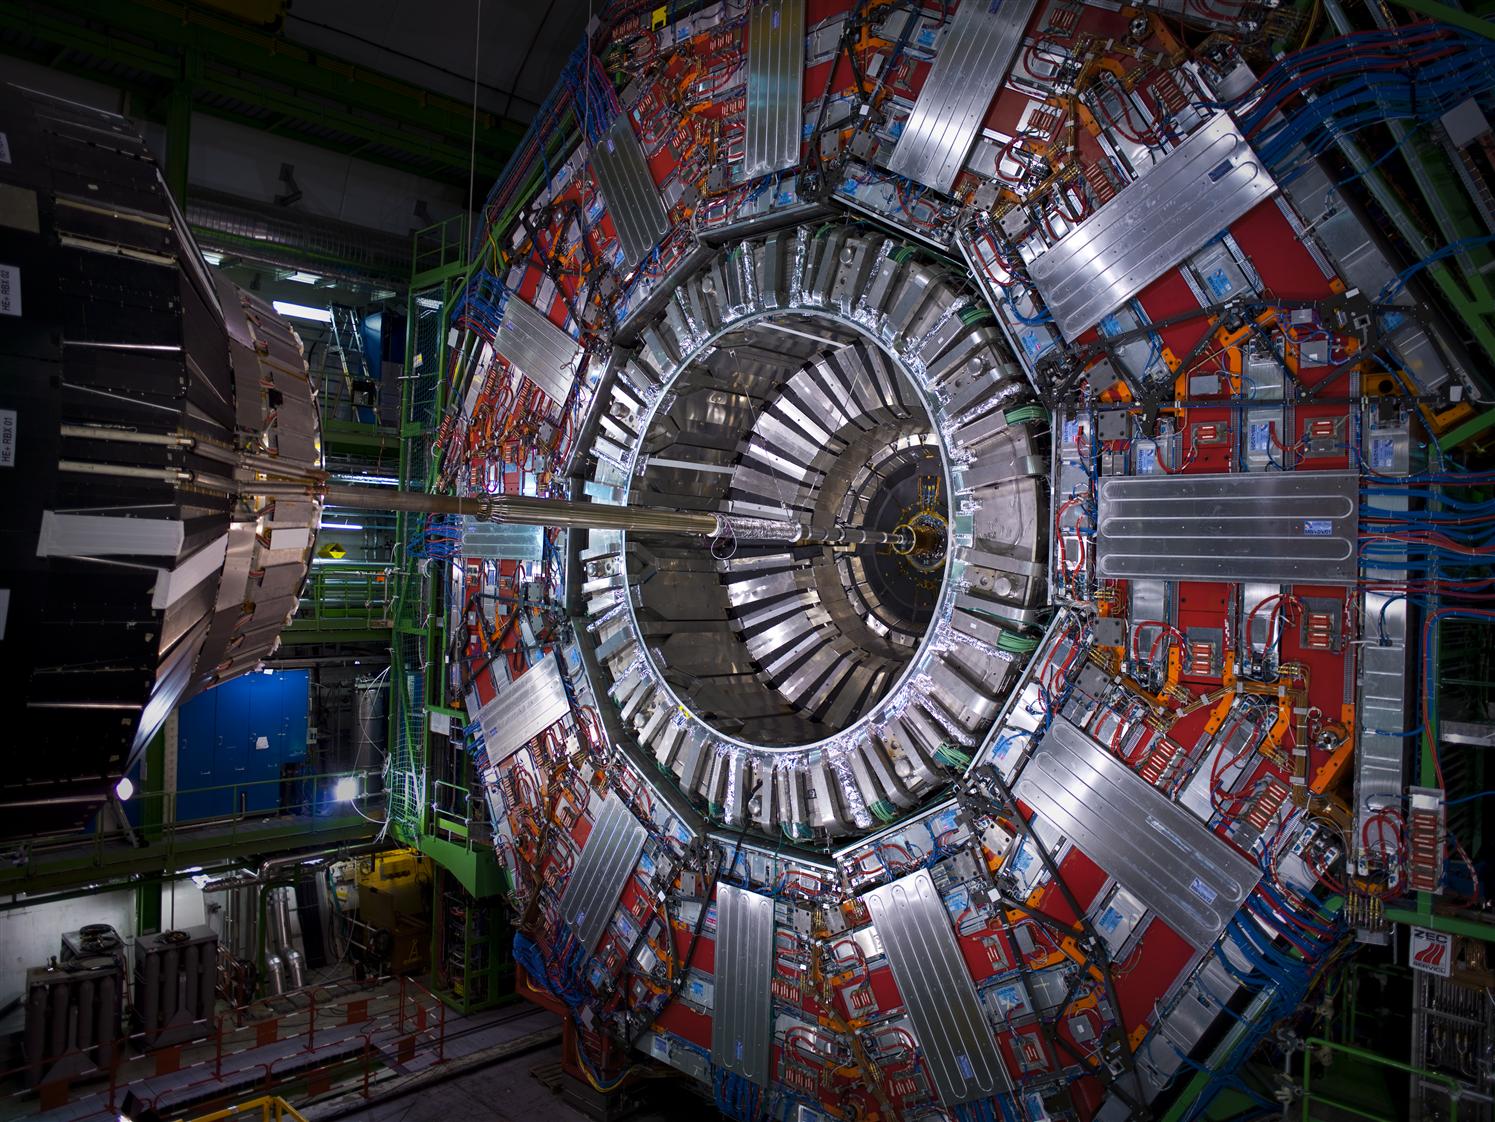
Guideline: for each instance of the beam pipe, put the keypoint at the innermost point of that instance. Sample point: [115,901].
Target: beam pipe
[524,510]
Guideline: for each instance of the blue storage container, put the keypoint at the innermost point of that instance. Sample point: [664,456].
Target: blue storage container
[241,733]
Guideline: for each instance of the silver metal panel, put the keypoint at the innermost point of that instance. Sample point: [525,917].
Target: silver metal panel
[1192,878]
[1280,527]
[501,541]
[544,353]
[605,864]
[1383,693]
[960,1048]
[522,710]
[742,1022]
[1184,200]
[629,191]
[975,53]
[775,86]
[98,535]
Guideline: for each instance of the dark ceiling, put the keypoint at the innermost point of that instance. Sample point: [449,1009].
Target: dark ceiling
[387,81]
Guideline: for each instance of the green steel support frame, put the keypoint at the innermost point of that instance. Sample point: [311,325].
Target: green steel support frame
[87,862]
[416,811]
[1475,18]
[418,639]
[189,50]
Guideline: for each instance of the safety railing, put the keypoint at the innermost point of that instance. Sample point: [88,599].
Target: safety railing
[1429,1080]
[458,814]
[439,246]
[346,595]
[308,807]
[268,1108]
[301,1044]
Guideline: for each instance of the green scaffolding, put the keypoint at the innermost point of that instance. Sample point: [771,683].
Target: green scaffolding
[433,803]
[418,635]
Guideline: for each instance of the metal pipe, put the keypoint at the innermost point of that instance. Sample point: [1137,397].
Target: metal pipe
[275,974]
[295,971]
[52,800]
[118,706]
[372,661]
[276,864]
[797,533]
[525,510]
[285,949]
[847,535]
[269,465]
[122,471]
[280,930]
[127,436]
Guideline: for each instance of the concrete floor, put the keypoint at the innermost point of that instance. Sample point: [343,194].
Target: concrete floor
[508,1089]
[505,1092]
[490,1073]
[491,1051]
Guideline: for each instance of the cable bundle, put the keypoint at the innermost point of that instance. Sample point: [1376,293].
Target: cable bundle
[737,1098]
[1415,73]
[439,539]
[1454,540]
[480,306]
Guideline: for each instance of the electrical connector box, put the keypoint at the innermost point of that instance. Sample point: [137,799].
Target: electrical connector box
[1425,833]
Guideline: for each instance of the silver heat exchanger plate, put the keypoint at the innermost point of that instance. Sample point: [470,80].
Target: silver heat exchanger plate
[977,50]
[544,353]
[775,86]
[1189,876]
[521,710]
[741,1017]
[628,188]
[596,883]
[1279,527]
[1183,201]
[501,541]
[960,1049]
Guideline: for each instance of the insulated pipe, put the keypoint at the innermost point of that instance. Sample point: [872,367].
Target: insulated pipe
[290,957]
[273,866]
[524,510]
[295,970]
[275,974]
[279,923]
[796,533]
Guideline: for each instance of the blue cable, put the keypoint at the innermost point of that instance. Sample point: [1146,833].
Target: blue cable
[1469,798]
[1042,317]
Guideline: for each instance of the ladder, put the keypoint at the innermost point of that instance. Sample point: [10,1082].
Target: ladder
[346,346]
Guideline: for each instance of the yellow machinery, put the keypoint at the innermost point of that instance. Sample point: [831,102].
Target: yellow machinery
[268,1108]
[394,902]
